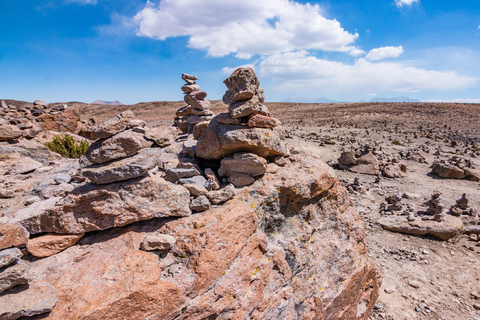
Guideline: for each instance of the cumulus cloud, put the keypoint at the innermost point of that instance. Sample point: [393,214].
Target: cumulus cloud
[401,3]
[303,71]
[246,27]
[382,53]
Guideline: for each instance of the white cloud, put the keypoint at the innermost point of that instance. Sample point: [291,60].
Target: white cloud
[378,54]
[244,27]
[356,52]
[401,3]
[300,71]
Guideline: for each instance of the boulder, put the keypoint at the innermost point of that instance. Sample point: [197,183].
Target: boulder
[221,140]
[13,235]
[13,275]
[367,164]
[447,171]
[38,299]
[123,169]
[9,256]
[50,244]
[121,145]
[9,132]
[472,174]
[41,103]
[200,204]
[392,170]
[444,230]
[108,128]
[347,158]
[91,207]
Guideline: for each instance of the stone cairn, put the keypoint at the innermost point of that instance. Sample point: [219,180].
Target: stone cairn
[197,109]
[244,137]
[435,206]
[462,207]
[29,120]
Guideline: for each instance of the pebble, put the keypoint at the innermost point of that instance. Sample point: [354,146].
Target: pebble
[414,284]
[390,290]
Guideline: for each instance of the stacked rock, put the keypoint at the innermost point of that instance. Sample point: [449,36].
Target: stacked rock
[242,138]
[197,109]
[435,207]
[120,152]
[462,207]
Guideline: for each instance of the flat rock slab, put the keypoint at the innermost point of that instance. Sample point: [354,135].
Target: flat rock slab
[221,140]
[37,299]
[121,145]
[444,230]
[124,169]
[92,207]
[50,244]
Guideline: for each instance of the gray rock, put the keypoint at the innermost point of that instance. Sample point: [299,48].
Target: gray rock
[221,195]
[186,76]
[27,165]
[13,275]
[242,84]
[174,175]
[240,179]
[157,242]
[121,145]
[60,190]
[124,169]
[200,204]
[200,180]
[62,178]
[9,256]
[38,299]
[246,108]
[189,146]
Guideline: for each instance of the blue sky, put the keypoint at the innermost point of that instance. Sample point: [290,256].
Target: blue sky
[133,51]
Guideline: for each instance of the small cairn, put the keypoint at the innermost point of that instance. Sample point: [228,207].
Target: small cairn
[435,206]
[395,202]
[462,207]
[197,109]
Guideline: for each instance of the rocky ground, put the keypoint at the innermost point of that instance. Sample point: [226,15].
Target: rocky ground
[422,277]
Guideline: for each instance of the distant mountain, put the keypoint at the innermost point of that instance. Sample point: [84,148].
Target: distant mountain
[107,103]
[394,99]
[309,100]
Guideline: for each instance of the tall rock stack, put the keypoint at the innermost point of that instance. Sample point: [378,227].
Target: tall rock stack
[197,109]
[246,133]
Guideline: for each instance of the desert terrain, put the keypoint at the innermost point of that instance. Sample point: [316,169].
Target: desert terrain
[422,277]
[445,274]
